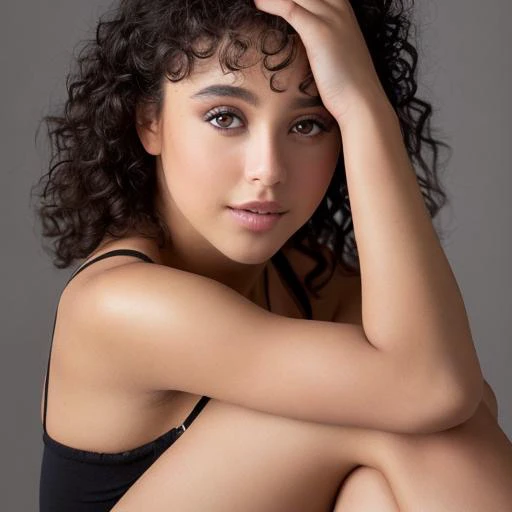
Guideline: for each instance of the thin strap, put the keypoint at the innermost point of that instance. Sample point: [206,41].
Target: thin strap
[192,416]
[286,270]
[267,294]
[115,252]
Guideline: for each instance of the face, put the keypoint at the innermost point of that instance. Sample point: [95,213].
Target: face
[216,150]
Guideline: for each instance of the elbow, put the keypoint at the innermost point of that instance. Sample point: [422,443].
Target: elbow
[465,395]
[453,405]
[461,409]
[455,391]
[440,395]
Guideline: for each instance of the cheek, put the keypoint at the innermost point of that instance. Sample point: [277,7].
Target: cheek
[316,171]
[193,163]
[313,176]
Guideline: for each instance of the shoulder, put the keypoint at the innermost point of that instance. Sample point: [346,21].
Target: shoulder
[137,243]
[80,298]
[342,293]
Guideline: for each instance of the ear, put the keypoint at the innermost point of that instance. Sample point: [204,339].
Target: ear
[148,127]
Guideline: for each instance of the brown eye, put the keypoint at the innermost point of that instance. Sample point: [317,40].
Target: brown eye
[223,119]
[306,122]
[310,122]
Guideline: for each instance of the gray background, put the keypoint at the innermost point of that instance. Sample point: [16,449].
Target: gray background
[465,71]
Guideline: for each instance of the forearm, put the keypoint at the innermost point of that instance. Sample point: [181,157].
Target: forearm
[411,302]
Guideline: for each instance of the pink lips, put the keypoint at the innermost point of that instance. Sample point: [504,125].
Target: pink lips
[257,222]
[260,206]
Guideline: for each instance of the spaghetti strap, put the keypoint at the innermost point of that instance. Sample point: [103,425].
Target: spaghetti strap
[115,252]
[286,270]
[192,416]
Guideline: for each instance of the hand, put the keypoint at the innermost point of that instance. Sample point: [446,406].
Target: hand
[338,55]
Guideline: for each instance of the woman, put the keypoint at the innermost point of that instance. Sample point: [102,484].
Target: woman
[195,365]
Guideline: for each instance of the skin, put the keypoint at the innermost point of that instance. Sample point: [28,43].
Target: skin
[264,154]
[273,463]
[350,498]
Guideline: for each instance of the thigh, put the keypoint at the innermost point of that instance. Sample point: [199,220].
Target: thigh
[232,458]
[468,467]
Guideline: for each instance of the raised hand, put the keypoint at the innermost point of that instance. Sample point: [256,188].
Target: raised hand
[338,55]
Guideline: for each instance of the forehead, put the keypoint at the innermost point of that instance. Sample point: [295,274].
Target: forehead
[253,73]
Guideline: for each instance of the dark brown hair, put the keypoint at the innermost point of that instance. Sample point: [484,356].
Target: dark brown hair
[102,181]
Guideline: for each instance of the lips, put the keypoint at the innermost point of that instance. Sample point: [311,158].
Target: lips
[260,207]
[257,212]
[257,222]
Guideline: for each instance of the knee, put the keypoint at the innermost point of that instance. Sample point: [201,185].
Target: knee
[365,489]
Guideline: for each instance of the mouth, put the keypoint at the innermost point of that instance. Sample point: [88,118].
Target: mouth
[256,212]
[254,221]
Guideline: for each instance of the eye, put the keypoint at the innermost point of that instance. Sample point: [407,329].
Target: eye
[312,121]
[225,115]
[221,113]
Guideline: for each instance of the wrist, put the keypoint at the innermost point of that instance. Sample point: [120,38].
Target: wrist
[370,105]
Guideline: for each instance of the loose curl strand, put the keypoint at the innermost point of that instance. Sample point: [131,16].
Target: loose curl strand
[101,181]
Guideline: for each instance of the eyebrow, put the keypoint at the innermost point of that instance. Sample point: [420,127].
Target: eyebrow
[249,97]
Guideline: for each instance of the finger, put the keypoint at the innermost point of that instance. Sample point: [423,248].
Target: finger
[333,7]
[286,8]
[339,5]
[296,15]
[321,8]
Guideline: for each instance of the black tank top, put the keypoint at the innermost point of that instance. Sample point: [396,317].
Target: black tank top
[83,481]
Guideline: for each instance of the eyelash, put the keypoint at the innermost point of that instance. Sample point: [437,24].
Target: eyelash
[224,110]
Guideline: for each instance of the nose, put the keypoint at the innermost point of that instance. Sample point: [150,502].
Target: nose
[266,160]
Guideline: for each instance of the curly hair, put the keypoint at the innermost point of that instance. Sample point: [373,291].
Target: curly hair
[102,181]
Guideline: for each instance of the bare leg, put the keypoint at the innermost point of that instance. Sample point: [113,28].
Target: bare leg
[237,459]
[464,469]
[366,490]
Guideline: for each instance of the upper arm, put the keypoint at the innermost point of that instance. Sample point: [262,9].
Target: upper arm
[159,328]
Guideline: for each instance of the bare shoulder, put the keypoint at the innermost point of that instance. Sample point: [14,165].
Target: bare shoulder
[339,300]
[83,388]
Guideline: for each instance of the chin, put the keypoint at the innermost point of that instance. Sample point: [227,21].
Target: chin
[254,255]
